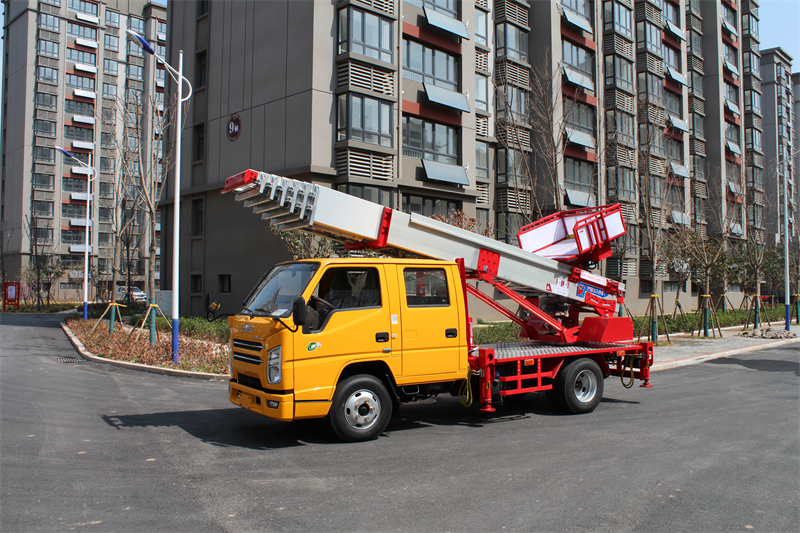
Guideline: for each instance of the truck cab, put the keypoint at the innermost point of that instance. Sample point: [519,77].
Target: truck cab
[349,339]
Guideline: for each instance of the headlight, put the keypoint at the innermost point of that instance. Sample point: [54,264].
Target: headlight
[274,366]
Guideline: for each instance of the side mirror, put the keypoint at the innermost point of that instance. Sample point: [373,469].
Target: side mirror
[211,307]
[299,314]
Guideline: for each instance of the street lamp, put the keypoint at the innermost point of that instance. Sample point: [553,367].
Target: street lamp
[786,240]
[176,75]
[88,224]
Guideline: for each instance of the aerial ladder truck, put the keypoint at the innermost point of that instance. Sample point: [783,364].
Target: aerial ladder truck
[351,339]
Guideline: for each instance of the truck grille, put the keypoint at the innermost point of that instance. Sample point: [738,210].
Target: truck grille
[248,345]
[250,359]
[249,381]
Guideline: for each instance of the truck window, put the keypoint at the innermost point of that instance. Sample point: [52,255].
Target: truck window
[426,287]
[347,288]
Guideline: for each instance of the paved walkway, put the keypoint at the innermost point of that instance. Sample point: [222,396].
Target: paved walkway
[685,350]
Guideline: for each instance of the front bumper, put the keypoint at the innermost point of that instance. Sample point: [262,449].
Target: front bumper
[275,406]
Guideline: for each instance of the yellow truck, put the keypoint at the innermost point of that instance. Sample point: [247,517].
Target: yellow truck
[352,339]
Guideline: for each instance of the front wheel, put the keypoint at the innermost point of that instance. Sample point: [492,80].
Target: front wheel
[361,408]
[579,386]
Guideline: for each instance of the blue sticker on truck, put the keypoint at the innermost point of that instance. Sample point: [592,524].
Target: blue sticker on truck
[582,289]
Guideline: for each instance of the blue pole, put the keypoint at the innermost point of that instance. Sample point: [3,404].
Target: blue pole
[175,356]
[85,310]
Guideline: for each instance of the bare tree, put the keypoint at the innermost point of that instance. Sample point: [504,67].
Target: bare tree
[44,268]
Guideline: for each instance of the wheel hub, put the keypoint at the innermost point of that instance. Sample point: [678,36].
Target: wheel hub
[585,386]
[362,408]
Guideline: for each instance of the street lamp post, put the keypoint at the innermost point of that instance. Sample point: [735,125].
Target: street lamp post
[88,224]
[176,75]
[787,296]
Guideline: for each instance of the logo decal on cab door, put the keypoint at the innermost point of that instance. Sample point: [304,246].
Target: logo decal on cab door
[313,346]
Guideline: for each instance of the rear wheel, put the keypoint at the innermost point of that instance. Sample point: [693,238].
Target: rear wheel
[361,408]
[579,386]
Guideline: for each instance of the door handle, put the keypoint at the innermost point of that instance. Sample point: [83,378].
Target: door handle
[382,337]
[451,333]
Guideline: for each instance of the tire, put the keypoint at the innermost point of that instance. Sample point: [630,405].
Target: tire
[579,386]
[361,408]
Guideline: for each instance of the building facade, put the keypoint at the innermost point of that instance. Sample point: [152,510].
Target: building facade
[779,143]
[72,79]
[429,106]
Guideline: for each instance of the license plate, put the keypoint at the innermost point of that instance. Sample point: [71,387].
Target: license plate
[245,400]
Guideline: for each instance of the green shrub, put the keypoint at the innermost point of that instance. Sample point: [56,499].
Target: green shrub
[32,308]
[194,327]
[505,332]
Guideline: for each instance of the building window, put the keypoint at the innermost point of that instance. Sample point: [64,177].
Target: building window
[42,154]
[135,72]
[109,91]
[508,226]
[672,57]
[446,7]
[73,185]
[49,22]
[583,8]
[366,34]
[698,126]
[426,206]
[200,69]
[481,160]
[731,93]
[46,101]
[44,182]
[752,101]
[161,27]
[621,183]
[378,195]
[750,25]
[72,237]
[199,151]
[674,103]
[111,43]
[70,161]
[730,54]
[135,49]
[512,102]
[202,7]
[619,18]
[110,67]
[511,167]
[106,190]
[481,92]
[225,283]
[651,88]
[79,82]
[697,83]
[78,134]
[619,72]
[79,108]
[365,120]
[672,13]
[511,41]
[136,25]
[578,58]
[42,209]
[580,116]
[47,48]
[696,43]
[47,74]
[79,56]
[161,50]
[107,164]
[578,175]
[89,8]
[752,63]
[648,36]
[44,236]
[674,149]
[424,64]
[651,139]
[44,127]
[73,211]
[428,140]
[81,32]
[481,27]
[753,139]
[621,127]
[728,15]
[197,217]
[732,132]
[112,18]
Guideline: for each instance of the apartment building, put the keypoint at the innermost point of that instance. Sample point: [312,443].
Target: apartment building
[779,143]
[428,106]
[69,74]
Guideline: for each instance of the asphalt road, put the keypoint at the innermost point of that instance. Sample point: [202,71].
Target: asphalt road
[91,447]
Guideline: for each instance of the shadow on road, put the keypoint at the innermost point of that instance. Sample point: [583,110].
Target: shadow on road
[233,427]
[762,365]
[36,320]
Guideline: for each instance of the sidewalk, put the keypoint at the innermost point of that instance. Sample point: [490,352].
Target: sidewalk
[686,350]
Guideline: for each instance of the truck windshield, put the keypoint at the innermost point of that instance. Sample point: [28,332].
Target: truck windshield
[276,292]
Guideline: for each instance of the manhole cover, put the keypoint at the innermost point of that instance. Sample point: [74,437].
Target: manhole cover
[68,360]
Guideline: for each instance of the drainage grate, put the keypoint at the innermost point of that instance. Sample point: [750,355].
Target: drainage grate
[68,360]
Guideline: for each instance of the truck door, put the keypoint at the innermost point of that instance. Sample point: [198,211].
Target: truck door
[431,332]
[352,322]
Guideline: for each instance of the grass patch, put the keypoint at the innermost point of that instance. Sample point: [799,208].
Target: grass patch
[196,354]
[54,307]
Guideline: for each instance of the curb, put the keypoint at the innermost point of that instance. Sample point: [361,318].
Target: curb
[86,354]
[677,363]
